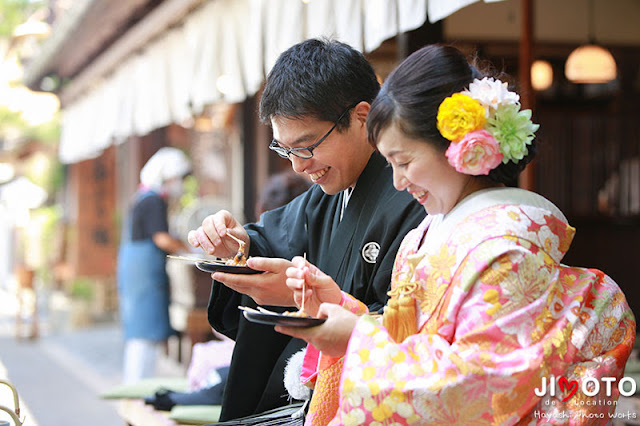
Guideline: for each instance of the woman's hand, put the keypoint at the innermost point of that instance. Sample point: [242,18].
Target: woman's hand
[318,286]
[212,235]
[332,336]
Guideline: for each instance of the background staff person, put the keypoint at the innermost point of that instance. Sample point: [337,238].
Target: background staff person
[143,283]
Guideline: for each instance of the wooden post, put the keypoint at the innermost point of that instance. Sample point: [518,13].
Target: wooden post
[527,97]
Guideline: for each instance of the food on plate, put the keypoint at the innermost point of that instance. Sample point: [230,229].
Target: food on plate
[240,259]
[299,313]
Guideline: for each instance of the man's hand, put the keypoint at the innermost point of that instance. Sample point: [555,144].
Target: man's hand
[268,288]
[212,235]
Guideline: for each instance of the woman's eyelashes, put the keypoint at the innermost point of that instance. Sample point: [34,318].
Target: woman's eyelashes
[399,164]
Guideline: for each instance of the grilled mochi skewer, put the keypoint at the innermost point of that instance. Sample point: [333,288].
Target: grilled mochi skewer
[240,259]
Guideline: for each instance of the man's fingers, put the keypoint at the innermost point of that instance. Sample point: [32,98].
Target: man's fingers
[209,236]
[268,264]
[237,282]
[193,238]
[213,228]
[204,242]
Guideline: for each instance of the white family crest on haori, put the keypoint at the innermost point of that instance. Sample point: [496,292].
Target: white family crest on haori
[370,252]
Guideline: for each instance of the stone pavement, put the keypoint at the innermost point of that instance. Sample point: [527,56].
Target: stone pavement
[60,375]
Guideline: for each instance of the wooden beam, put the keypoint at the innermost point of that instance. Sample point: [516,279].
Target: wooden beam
[527,97]
[103,22]
[168,14]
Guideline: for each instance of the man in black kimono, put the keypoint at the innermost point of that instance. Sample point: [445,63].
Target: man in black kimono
[349,224]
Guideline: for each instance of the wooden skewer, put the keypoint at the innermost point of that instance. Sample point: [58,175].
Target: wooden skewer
[236,239]
[260,310]
[304,289]
[266,311]
[195,259]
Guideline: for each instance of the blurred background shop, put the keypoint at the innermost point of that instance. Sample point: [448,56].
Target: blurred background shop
[132,77]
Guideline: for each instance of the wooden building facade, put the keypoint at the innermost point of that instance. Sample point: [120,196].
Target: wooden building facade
[588,163]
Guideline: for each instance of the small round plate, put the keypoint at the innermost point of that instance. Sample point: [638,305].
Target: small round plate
[221,267]
[286,320]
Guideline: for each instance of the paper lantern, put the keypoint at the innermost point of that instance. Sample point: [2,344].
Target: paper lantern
[541,75]
[590,64]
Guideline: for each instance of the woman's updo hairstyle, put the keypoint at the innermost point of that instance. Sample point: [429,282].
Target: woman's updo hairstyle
[412,93]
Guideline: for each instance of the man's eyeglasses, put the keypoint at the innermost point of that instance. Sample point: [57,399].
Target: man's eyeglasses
[306,152]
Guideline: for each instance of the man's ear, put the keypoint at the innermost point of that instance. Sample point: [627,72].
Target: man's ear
[362,111]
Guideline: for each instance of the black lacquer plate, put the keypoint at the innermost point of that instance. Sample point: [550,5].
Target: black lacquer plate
[279,319]
[221,267]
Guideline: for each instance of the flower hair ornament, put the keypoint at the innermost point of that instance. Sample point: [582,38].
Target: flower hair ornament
[485,127]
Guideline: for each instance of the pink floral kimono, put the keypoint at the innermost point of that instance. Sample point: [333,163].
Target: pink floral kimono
[507,334]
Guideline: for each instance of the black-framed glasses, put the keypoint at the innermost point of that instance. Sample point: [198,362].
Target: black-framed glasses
[307,151]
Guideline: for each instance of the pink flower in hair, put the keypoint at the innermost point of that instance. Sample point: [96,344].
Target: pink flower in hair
[476,154]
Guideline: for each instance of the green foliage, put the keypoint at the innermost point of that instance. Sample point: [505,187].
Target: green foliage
[48,218]
[48,132]
[10,119]
[45,171]
[82,288]
[190,192]
[12,123]
[57,176]
[48,221]
[16,12]
[12,14]
[12,126]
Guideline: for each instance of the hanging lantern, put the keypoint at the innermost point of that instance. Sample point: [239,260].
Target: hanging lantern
[541,75]
[590,64]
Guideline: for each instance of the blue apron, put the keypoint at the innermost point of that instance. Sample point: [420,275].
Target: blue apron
[143,286]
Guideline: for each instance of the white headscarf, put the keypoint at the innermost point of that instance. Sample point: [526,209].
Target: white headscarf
[165,164]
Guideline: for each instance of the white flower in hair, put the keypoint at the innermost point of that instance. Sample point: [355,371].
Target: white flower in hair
[491,93]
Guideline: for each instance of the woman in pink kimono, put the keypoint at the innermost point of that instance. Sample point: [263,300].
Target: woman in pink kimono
[484,324]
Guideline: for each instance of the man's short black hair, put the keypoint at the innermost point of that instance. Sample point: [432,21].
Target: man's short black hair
[318,78]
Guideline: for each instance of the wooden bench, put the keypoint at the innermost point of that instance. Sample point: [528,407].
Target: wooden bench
[136,413]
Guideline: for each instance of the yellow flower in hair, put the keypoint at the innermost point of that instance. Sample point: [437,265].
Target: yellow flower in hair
[458,115]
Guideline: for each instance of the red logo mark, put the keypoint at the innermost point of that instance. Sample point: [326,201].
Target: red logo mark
[567,386]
